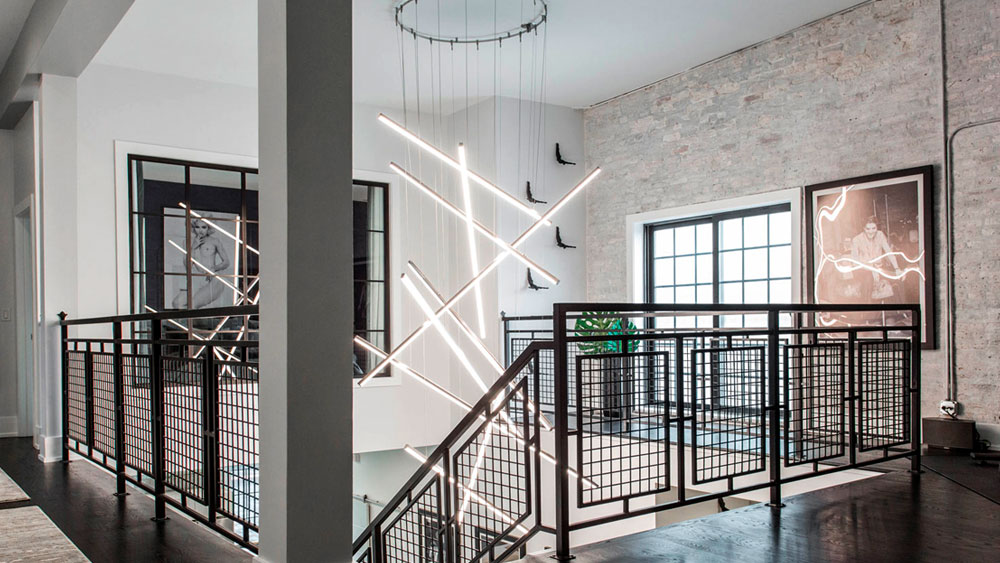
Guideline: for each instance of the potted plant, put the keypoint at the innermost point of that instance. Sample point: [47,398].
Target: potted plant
[616,385]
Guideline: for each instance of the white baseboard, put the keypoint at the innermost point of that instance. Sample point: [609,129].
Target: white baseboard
[51,450]
[8,426]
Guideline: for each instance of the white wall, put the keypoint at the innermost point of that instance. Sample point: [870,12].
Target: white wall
[549,181]
[117,104]
[57,226]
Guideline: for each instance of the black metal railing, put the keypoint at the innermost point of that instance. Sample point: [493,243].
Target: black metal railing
[476,496]
[724,398]
[168,402]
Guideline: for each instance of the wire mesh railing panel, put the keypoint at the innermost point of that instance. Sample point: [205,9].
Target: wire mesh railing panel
[814,385]
[102,370]
[182,415]
[546,391]
[493,480]
[729,399]
[239,441]
[416,533]
[623,442]
[136,413]
[883,388]
[76,394]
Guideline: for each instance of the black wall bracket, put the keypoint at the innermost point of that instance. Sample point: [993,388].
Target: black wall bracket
[532,284]
[559,240]
[560,159]
[531,197]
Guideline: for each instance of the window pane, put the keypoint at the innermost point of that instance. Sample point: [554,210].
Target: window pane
[781,291]
[663,273]
[755,231]
[781,228]
[685,270]
[663,242]
[755,321]
[755,292]
[731,233]
[685,295]
[731,292]
[664,295]
[705,294]
[704,268]
[684,240]
[781,262]
[756,264]
[731,321]
[685,322]
[731,266]
[704,237]
[664,322]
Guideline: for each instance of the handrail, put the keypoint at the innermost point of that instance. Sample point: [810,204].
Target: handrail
[471,418]
[237,311]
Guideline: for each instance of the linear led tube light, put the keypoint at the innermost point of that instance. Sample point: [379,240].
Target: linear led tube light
[462,358]
[475,496]
[475,470]
[207,270]
[414,374]
[476,224]
[478,344]
[471,236]
[436,321]
[546,457]
[218,353]
[497,190]
[218,327]
[218,228]
[478,277]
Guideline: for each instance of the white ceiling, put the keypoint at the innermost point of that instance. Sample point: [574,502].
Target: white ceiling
[595,49]
[13,14]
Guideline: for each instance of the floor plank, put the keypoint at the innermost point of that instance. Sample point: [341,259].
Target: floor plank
[898,516]
[78,498]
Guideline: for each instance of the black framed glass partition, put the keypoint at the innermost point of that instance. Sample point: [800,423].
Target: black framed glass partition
[194,234]
[371,270]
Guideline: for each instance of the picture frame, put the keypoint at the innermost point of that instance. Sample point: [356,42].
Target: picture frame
[869,241]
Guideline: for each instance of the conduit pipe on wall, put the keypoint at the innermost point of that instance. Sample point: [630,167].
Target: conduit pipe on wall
[949,213]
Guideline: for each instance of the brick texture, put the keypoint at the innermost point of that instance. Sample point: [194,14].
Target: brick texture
[853,94]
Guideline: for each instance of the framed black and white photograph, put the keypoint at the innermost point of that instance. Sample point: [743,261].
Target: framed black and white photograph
[871,244]
[200,255]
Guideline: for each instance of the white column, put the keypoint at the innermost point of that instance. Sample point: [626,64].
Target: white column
[306,271]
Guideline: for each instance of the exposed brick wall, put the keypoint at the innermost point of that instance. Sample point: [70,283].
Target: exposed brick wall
[853,94]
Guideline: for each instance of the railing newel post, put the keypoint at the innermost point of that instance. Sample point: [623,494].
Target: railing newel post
[449,488]
[774,412]
[561,383]
[64,338]
[915,420]
[118,379]
[210,435]
[158,422]
[88,393]
[679,398]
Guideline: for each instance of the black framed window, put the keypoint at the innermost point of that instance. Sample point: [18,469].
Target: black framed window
[193,234]
[741,256]
[371,271]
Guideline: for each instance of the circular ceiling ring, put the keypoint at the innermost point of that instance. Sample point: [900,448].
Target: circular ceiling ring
[527,27]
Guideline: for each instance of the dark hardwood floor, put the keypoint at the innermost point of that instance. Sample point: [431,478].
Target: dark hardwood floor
[893,517]
[78,498]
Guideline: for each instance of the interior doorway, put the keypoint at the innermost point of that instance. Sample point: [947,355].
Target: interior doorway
[24,268]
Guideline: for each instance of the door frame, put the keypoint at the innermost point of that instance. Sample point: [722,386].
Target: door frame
[26,316]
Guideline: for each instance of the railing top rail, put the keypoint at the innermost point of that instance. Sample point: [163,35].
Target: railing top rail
[468,421]
[240,311]
[746,308]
